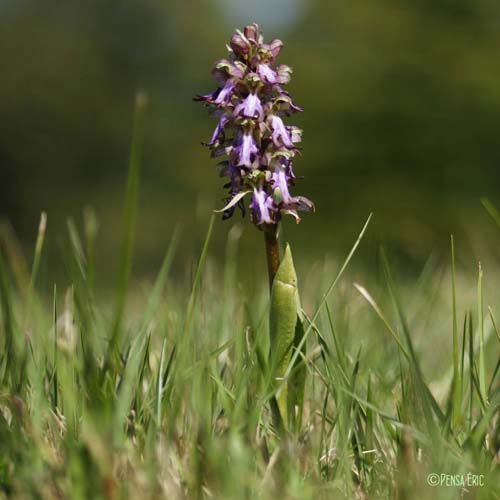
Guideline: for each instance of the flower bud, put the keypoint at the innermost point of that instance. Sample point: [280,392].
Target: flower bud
[240,44]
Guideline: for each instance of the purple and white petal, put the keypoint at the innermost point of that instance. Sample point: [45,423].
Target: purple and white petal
[267,74]
[273,49]
[240,44]
[208,97]
[280,135]
[295,133]
[220,126]
[246,150]
[283,73]
[280,181]
[252,33]
[226,92]
[261,206]
[249,107]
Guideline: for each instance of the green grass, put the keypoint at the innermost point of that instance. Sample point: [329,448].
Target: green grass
[172,398]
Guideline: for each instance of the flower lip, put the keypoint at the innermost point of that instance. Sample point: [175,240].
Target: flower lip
[274,48]
[267,74]
[226,92]
[249,107]
[261,206]
[218,129]
[281,135]
[280,182]
[246,150]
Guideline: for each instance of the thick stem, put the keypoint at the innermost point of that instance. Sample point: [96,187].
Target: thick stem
[272,251]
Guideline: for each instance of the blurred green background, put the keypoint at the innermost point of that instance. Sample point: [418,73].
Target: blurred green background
[402,118]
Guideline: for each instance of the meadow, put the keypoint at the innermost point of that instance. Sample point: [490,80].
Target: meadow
[165,391]
[135,325]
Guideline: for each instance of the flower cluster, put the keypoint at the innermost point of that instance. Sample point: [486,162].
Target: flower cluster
[250,104]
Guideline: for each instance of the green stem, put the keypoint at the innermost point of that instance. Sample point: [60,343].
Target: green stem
[272,251]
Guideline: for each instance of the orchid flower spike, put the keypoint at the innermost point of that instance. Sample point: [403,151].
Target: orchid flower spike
[259,148]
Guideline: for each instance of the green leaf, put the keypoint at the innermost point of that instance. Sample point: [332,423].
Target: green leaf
[234,200]
[296,384]
[283,325]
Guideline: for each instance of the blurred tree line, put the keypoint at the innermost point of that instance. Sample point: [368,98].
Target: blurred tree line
[401,100]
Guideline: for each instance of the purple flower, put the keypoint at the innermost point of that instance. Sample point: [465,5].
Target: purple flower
[284,103]
[246,149]
[218,130]
[225,69]
[280,136]
[289,204]
[226,92]
[252,33]
[273,49]
[267,74]
[249,107]
[250,104]
[240,44]
[284,74]
[261,207]
[280,181]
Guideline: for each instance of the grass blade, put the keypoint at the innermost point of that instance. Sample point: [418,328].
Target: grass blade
[197,279]
[457,384]
[38,248]
[129,218]
[490,208]
[325,297]
[493,321]
[480,314]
